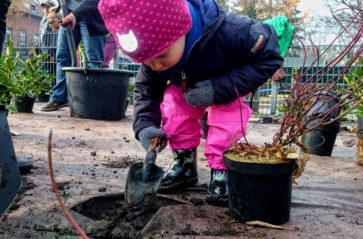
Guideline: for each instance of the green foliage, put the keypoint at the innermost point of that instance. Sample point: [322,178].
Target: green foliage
[130,89]
[355,80]
[22,78]
[10,66]
[32,80]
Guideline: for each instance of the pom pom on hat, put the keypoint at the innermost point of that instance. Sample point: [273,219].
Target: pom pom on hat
[143,28]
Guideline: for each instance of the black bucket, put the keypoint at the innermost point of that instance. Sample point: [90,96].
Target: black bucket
[24,104]
[43,98]
[259,192]
[322,139]
[97,93]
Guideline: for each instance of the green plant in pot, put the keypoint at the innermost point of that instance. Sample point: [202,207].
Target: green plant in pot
[32,80]
[9,68]
[260,178]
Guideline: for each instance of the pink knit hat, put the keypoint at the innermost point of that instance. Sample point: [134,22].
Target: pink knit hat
[143,28]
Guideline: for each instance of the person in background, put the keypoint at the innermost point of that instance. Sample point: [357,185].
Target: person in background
[195,56]
[87,25]
[109,50]
[54,19]
[48,37]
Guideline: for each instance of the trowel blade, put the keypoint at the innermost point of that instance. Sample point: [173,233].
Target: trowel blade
[136,188]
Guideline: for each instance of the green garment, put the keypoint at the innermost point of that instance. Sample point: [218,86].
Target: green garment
[284,35]
[82,51]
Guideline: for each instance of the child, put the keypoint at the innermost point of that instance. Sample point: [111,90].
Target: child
[54,18]
[195,56]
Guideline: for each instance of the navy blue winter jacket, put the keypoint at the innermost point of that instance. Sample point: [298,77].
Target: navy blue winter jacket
[233,51]
[88,10]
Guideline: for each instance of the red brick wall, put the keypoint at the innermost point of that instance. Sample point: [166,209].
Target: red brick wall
[26,23]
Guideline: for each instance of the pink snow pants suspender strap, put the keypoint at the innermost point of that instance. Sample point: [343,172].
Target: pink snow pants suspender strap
[181,124]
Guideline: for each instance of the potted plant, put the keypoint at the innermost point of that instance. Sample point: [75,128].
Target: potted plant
[260,177]
[31,82]
[9,68]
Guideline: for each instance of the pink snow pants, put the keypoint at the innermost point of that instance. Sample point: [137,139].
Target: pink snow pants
[183,130]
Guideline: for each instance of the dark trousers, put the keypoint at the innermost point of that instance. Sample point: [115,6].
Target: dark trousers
[4,6]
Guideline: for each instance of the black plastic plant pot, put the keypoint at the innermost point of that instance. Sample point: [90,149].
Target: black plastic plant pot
[322,139]
[24,104]
[259,192]
[97,93]
[43,98]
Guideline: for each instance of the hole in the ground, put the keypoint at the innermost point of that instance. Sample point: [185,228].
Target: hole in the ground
[123,220]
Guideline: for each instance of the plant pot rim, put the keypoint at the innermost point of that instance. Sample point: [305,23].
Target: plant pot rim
[279,168]
[25,96]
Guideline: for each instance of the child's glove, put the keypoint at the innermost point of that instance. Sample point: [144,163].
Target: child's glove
[70,18]
[202,94]
[146,134]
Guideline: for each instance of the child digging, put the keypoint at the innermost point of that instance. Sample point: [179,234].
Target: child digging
[195,56]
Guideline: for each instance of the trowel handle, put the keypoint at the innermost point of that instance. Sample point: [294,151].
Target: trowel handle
[150,159]
[154,143]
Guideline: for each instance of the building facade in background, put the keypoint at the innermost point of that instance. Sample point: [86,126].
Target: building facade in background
[23,22]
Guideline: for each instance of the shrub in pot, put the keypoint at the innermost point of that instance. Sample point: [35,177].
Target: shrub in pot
[260,177]
[31,81]
[9,68]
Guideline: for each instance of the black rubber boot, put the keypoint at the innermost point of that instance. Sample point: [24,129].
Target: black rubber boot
[218,189]
[182,173]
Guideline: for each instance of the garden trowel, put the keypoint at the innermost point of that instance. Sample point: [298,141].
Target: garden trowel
[10,179]
[145,177]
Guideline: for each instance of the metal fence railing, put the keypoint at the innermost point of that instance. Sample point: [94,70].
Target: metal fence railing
[267,99]
[24,43]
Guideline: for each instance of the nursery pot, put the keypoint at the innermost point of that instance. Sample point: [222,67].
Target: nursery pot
[44,97]
[322,139]
[259,191]
[24,104]
[97,93]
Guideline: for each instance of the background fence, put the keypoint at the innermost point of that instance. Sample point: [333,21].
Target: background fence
[267,99]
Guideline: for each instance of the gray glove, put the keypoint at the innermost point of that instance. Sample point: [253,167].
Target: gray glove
[146,134]
[202,94]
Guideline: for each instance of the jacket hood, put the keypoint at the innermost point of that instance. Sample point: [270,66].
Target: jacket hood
[210,11]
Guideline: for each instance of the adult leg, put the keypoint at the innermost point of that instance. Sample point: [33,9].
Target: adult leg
[109,50]
[59,96]
[93,46]
[183,130]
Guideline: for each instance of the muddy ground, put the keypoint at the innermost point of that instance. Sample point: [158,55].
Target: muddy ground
[91,159]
